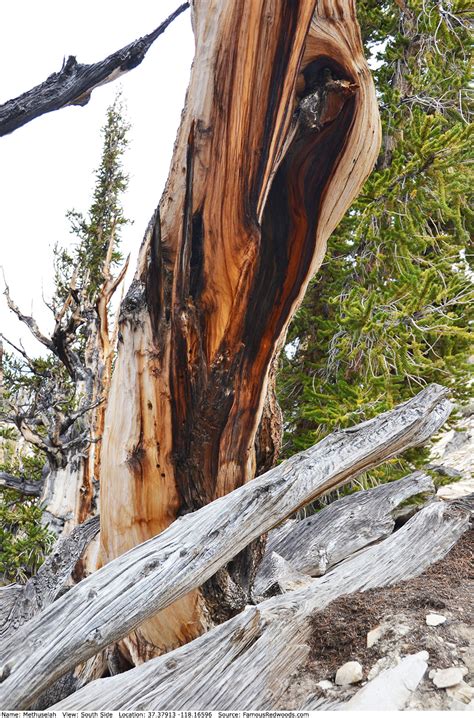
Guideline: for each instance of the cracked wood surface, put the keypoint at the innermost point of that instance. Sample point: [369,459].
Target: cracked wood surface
[311,546]
[110,603]
[250,661]
[74,83]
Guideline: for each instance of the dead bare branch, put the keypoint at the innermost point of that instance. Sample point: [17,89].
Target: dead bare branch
[74,83]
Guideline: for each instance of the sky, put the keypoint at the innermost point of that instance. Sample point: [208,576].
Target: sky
[46,167]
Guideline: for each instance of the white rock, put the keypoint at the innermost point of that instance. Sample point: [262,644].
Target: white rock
[456,490]
[435,619]
[374,635]
[447,677]
[391,689]
[325,685]
[350,672]
[403,629]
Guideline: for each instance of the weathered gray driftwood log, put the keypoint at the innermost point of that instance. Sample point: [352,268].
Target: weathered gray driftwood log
[316,543]
[18,604]
[74,83]
[268,642]
[113,601]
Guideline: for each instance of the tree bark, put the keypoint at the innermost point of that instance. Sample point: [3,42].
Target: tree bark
[113,601]
[74,83]
[20,484]
[249,662]
[279,131]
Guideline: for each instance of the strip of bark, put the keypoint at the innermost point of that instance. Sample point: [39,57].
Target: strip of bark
[269,642]
[313,545]
[74,83]
[110,603]
[18,604]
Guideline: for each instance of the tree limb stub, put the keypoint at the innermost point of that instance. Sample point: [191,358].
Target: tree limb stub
[116,599]
[269,641]
[18,604]
[74,83]
[20,484]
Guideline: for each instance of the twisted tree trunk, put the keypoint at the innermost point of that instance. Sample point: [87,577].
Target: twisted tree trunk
[279,131]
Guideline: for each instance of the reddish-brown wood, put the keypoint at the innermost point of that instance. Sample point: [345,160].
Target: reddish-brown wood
[279,131]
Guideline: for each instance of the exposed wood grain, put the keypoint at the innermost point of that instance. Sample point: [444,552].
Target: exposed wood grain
[316,543]
[116,599]
[253,193]
[74,83]
[249,662]
[18,604]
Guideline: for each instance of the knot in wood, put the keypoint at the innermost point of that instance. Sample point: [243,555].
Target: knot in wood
[324,102]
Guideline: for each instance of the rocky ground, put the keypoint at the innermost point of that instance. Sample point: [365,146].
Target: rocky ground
[410,646]
[377,629]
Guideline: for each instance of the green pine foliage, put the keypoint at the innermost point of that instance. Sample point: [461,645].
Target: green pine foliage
[105,218]
[43,387]
[24,541]
[389,310]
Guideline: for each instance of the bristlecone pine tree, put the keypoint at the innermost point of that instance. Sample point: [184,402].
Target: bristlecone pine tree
[57,402]
[279,131]
[389,310]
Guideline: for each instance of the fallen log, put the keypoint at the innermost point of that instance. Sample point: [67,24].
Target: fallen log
[268,642]
[316,543]
[110,603]
[18,604]
[74,83]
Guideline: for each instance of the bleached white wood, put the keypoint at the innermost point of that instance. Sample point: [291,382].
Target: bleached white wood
[248,662]
[316,543]
[113,601]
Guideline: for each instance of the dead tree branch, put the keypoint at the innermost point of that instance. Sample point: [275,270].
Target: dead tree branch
[20,484]
[270,641]
[310,547]
[18,604]
[74,83]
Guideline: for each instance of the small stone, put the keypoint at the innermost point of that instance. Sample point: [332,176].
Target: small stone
[391,689]
[350,672]
[447,677]
[374,635]
[403,630]
[435,619]
[325,685]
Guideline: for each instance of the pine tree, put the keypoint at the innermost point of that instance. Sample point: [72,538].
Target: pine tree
[389,310]
[56,403]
